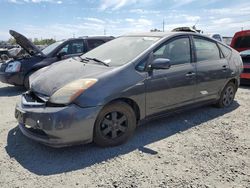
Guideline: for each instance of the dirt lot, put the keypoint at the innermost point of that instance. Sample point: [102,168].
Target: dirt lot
[206,147]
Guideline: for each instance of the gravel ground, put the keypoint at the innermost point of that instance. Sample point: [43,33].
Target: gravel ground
[205,147]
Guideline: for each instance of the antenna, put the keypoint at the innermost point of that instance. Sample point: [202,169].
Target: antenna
[163,25]
[194,27]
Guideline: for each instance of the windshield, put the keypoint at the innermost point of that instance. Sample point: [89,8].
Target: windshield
[51,47]
[121,50]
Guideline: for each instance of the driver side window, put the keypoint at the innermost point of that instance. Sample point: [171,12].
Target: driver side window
[177,51]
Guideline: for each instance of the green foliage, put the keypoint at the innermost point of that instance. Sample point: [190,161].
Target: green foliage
[43,41]
[12,41]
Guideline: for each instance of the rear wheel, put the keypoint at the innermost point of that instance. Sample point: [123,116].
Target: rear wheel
[227,96]
[114,125]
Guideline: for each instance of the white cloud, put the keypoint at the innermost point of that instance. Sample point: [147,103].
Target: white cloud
[116,4]
[143,11]
[193,18]
[223,21]
[34,1]
[95,20]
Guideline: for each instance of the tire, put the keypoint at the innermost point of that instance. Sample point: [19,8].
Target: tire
[114,125]
[227,96]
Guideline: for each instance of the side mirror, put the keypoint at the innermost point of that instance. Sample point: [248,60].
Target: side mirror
[61,54]
[160,63]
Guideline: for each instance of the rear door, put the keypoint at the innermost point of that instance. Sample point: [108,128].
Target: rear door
[173,87]
[212,68]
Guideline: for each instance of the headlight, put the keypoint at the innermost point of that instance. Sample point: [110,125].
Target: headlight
[71,91]
[14,66]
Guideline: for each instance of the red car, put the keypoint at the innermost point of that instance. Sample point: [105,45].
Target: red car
[241,43]
[245,75]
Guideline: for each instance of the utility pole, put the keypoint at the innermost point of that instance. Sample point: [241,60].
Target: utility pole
[163,25]
[104,32]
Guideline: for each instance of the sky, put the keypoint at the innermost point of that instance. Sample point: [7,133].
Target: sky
[60,19]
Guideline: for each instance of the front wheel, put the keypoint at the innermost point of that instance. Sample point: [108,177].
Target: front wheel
[114,125]
[227,96]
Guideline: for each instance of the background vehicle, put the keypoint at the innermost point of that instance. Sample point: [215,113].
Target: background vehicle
[215,36]
[4,55]
[241,41]
[227,40]
[129,79]
[187,29]
[17,72]
[245,75]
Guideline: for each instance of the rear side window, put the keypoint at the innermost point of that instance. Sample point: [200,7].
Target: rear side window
[242,42]
[75,47]
[225,50]
[206,50]
[93,43]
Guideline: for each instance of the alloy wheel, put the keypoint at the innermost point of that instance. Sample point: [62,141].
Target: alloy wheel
[228,96]
[114,125]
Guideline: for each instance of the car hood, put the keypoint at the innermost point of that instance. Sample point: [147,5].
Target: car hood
[48,80]
[25,43]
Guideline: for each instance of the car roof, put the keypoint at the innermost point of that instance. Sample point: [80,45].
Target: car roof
[163,34]
[150,34]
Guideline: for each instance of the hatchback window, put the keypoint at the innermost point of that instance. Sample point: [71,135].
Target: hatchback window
[206,50]
[242,42]
[93,43]
[177,51]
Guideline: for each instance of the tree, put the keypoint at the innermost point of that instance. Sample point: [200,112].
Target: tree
[12,41]
[44,41]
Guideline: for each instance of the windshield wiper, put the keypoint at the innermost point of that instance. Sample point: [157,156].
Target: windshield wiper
[79,58]
[96,60]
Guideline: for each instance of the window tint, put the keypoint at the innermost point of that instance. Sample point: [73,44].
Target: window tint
[225,50]
[206,50]
[242,42]
[73,48]
[93,43]
[177,51]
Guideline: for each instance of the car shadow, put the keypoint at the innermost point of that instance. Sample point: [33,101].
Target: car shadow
[43,160]
[11,91]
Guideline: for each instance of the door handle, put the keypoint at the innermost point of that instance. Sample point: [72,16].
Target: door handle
[224,67]
[190,74]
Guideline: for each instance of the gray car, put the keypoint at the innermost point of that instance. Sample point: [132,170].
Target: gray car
[102,95]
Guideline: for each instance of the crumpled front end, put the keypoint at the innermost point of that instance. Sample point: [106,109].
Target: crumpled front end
[56,126]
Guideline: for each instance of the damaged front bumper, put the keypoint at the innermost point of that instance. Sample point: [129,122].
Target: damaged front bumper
[56,126]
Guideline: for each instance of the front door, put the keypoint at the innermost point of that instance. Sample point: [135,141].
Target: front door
[173,87]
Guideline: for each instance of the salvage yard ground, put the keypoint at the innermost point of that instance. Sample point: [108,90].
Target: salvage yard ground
[205,147]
